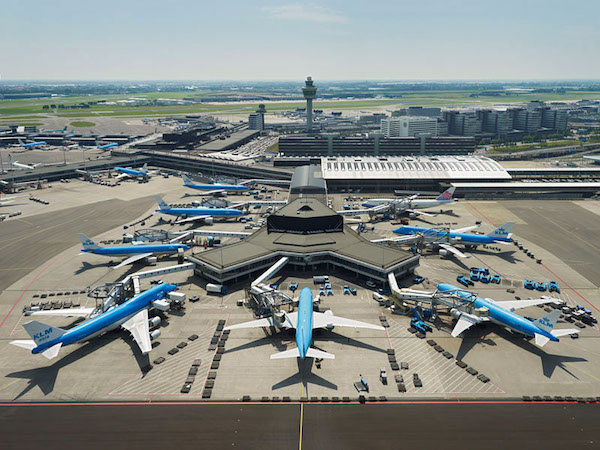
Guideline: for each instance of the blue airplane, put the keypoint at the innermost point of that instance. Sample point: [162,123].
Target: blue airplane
[129,172]
[447,239]
[131,315]
[305,320]
[192,214]
[214,189]
[31,144]
[501,313]
[107,146]
[137,251]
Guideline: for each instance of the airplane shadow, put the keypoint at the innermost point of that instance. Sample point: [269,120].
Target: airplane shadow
[45,377]
[272,337]
[549,361]
[85,266]
[305,376]
[332,336]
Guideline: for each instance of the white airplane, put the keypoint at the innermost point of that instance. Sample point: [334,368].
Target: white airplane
[19,166]
[409,204]
[6,200]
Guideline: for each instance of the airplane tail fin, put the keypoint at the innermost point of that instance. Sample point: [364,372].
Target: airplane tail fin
[145,168]
[87,243]
[40,332]
[548,321]
[186,180]
[10,160]
[161,203]
[447,194]
[503,231]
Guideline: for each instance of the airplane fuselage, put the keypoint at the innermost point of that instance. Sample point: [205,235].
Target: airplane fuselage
[137,249]
[455,238]
[201,211]
[304,327]
[217,187]
[405,204]
[33,144]
[109,320]
[499,315]
[132,172]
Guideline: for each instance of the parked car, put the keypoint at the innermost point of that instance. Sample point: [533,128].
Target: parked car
[495,279]
[553,287]
[529,284]
[485,278]
[540,286]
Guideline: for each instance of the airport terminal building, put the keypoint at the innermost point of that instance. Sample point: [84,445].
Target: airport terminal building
[312,237]
[386,174]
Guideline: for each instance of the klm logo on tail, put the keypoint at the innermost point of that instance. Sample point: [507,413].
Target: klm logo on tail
[42,335]
[546,322]
[88,242]
[501,232]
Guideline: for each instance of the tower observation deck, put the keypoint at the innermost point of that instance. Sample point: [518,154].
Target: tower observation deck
[310,92]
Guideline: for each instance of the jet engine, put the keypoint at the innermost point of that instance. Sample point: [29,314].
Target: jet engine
[154,322]
[155,335]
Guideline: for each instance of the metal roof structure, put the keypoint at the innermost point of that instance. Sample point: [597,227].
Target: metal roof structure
[327,240]
[412,167]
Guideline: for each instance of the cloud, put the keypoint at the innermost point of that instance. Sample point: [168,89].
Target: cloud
[308,12]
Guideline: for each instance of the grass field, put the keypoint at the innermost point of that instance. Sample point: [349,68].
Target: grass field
[82,124]
[458,98]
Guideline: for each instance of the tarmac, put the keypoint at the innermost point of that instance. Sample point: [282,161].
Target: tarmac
[280,427]
[41,250]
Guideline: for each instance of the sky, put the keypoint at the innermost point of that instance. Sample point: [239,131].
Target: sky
[287,40]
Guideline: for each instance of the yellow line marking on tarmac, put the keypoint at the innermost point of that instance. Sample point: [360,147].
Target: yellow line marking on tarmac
[301,413]
[9,384]
[577,368]
[23,220]
[46,229]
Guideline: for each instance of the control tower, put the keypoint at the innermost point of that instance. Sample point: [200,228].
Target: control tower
[310,92]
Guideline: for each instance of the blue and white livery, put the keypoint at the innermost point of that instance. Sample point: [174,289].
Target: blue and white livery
[193,214]
[213,189]
[132,173]
[131,315]
[305,320]
[448,239]
[501,313]
[137,252]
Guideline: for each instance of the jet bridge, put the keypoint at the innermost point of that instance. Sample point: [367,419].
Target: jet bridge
[271,271]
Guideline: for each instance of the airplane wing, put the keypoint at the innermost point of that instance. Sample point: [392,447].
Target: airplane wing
[132,259]
[465,322]
[291,320]
[140,330]
[453,250]
[406,238]
[322,320]
[123,175]
[191,219]
[354,212]
[213,192]
[70,312]
[462,230]
[414,211]
[511,305]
